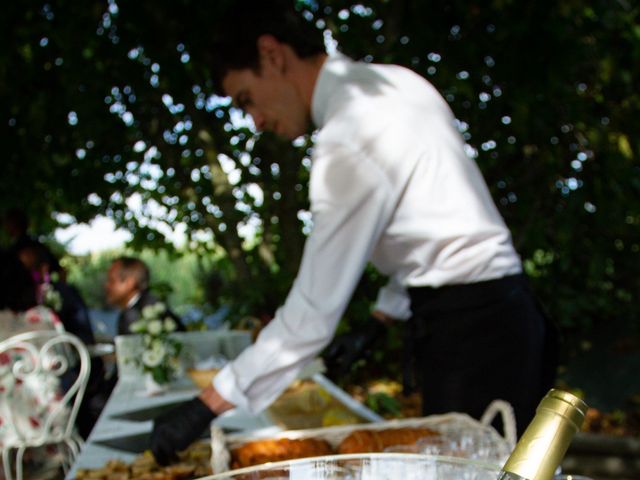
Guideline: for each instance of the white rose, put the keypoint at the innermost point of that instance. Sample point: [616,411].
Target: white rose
[158,346]
[152,358]
[155,327]
[159,308]
[148,312]
[169,324]
[138,327]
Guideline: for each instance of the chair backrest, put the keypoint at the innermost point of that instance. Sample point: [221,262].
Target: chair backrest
[33,366]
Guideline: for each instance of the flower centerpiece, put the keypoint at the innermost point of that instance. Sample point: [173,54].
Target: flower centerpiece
[160,355]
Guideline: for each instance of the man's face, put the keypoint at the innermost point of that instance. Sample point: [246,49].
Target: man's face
[270,98]
[119,289]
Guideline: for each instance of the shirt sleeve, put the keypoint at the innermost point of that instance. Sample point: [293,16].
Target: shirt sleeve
[351,203]
[394,300]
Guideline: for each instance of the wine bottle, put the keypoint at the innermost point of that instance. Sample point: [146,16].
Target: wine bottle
[545,441]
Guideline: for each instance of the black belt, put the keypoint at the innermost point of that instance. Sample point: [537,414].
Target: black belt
[468,295]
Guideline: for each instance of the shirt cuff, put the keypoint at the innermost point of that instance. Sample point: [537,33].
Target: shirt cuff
[394,301]
[225,384]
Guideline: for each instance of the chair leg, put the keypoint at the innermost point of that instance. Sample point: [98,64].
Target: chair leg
[19,466]
[6,463]
[73,445]
[76,443]
[70,454]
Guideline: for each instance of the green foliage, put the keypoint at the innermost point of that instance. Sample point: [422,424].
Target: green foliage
[108,107]
[89,274]
[384,404]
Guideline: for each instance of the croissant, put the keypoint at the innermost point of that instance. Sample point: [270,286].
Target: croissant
[274,450]
[365,441]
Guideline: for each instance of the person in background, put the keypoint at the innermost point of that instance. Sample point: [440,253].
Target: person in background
[127,288]
[24,405]
[18,301]
[56,293]
[390,184]
[17,288]
[16,224]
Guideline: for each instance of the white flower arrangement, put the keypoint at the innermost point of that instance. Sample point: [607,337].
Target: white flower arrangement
[160,356]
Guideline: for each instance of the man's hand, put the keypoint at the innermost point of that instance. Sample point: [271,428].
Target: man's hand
[176,429]
[345,349]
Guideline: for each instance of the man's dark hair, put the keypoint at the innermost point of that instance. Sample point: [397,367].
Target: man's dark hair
[17,288]
[136,268]
[17,219]
[233,45]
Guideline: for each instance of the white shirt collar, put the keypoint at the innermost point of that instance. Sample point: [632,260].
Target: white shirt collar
[132,301]
[335,66]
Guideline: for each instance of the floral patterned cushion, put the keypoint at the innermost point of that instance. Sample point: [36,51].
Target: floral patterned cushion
[26,403]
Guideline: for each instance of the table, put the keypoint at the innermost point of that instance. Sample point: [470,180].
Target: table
[122,430]
[122,422]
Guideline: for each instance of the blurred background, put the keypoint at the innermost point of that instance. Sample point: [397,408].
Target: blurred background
[113,143]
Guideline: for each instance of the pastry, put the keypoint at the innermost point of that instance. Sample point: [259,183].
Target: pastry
[274,450]
[193,463]
[365,441]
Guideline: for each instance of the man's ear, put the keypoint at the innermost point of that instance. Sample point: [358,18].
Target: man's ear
[271,52]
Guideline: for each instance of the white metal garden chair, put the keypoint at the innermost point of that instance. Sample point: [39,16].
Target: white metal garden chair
[38,360]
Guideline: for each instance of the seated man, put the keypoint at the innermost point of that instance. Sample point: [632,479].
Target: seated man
[127,288]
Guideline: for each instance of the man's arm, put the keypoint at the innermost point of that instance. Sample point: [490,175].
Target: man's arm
[212,399]
[351,207]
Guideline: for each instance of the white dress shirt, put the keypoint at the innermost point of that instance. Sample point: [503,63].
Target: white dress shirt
[390,184]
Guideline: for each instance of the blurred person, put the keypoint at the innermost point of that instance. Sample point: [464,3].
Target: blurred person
[65,300]
[19,308]
[127,288]
[16,224]
[24,405]
[17,288]
[55,292]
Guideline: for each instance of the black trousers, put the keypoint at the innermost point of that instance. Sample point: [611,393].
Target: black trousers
[471,344]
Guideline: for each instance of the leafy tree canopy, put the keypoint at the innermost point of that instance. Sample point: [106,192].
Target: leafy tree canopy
[107,109]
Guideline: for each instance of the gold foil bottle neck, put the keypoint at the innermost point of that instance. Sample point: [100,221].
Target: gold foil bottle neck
[565,404]
[543,445]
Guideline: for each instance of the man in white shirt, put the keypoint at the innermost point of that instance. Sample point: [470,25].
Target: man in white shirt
[390,184]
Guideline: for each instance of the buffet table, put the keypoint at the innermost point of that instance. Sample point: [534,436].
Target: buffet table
[122,431]
[123,428]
